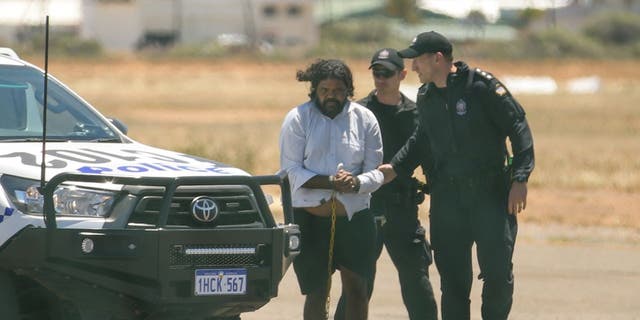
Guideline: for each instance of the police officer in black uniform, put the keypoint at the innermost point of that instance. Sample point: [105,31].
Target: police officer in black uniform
[465,116]
[395,204]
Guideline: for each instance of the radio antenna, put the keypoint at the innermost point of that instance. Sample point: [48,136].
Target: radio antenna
[44,102]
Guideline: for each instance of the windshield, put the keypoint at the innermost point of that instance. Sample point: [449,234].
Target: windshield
[21,105]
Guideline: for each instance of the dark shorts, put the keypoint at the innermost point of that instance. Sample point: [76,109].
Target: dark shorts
[353,247]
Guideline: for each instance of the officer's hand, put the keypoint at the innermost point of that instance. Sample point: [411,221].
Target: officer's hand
[517,197]
[388,172]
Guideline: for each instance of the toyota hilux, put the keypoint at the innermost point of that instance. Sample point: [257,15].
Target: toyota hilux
[94,225]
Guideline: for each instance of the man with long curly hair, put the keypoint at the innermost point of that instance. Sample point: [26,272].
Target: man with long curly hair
[330,148]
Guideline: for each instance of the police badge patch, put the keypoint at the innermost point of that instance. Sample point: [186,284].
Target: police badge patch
[461,107]
[384,55]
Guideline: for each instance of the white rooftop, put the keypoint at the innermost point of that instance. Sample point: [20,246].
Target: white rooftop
[490,8]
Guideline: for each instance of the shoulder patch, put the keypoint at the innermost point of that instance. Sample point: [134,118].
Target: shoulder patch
[484,74]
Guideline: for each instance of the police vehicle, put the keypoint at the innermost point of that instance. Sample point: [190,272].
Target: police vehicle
[107,228]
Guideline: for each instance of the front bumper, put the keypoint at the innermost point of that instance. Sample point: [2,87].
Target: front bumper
[145,272]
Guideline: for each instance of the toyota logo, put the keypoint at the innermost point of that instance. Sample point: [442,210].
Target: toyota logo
[204,209]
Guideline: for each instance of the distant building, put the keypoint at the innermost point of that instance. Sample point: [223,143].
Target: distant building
[334,10]
[131,24]
[574,15]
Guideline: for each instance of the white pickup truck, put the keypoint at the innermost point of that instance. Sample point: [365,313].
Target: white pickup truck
[110,228]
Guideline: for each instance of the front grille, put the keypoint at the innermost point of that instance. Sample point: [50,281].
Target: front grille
[237,206]
[178,256]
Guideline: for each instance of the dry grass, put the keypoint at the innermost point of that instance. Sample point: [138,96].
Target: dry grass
[587,146]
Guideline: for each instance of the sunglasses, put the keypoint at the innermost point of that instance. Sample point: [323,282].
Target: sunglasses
[383,72]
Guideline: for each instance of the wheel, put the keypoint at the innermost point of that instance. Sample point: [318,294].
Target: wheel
[43,305]
[30,301]
[8,297]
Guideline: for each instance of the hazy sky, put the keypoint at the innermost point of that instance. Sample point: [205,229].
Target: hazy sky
[34,11]
[68,11]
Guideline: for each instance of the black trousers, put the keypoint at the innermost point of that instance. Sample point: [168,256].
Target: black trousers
[464,212]
[400,232]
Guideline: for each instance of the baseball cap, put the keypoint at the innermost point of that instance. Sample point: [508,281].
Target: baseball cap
[388,58]
[430,42]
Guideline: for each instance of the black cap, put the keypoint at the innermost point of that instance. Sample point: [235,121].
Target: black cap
[388,58]
[430,42]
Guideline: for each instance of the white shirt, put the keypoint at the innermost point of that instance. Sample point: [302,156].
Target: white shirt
[313,144]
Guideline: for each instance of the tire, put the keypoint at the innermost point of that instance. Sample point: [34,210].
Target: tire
[8,297]
[43,305]
[24,299]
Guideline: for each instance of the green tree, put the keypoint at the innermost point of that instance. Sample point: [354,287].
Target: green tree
[619,28]
[476,17]
[527,16]
[403,9]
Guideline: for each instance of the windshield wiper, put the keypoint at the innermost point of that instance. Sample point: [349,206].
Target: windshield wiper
[33,140]
[106,140]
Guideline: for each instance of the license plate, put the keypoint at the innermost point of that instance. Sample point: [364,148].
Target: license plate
[220,282]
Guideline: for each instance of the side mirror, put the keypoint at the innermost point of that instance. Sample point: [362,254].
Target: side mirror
[120,125]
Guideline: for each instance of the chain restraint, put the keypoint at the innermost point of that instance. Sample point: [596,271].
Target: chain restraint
[332,237]
[330,263]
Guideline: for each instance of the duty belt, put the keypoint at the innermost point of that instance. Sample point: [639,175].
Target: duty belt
[393,194]
[475,179]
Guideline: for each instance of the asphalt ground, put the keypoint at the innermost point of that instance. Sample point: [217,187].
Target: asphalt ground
[561,272]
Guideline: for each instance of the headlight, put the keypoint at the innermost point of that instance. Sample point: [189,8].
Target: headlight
[82,202]
[67,200]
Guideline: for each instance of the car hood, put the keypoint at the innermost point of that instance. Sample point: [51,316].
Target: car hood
[117,159]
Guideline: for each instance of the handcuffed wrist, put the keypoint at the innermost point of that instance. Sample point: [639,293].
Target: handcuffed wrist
[332,182]
[356,185]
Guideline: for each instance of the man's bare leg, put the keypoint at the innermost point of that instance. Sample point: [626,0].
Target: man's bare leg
[354,287]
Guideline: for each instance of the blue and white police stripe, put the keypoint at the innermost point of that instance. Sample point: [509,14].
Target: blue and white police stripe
[7,213]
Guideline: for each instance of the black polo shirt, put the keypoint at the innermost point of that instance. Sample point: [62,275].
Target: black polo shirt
[397,123]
